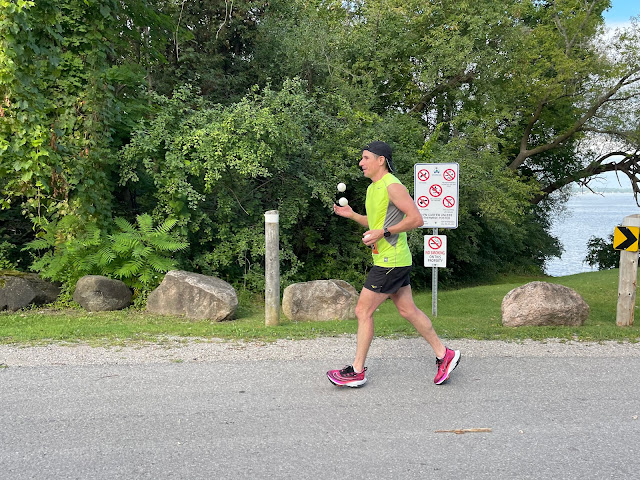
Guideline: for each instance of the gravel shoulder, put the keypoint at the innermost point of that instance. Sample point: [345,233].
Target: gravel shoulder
[333,349]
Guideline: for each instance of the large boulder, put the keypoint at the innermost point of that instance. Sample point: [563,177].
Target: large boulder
[19,290]
[96,293]
[320,300]
[542,303]
[196,296]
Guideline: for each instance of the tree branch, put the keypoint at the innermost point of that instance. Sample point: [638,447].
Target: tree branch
[569,43]
[629,165]
[577,126]
[450,83]
[613,133]
[534,118]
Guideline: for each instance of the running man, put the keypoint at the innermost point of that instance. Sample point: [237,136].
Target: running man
[390,213]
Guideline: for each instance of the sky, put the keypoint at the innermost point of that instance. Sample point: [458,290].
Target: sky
[618,16]
[621,11]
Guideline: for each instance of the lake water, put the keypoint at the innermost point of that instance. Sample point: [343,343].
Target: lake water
[587,215]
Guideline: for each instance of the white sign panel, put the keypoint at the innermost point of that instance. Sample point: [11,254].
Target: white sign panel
[435,251]
[436,194]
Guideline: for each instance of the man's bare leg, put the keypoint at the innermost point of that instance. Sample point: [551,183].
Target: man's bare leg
[367,304]
[403,300]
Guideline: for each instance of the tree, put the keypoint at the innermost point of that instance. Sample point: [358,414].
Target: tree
[218,168]
[54,117]
[206,43]
[514,91]
[68,100]
[600,254]
[532,74]
[583,104]
[60,107]
[520,93]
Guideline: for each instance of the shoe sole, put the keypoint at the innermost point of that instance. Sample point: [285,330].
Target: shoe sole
[452,366]
[355,384]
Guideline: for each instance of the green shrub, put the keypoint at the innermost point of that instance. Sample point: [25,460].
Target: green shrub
[138,254]
[601,253]
[6,263]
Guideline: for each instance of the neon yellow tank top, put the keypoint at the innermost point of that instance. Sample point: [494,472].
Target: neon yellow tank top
[392,251]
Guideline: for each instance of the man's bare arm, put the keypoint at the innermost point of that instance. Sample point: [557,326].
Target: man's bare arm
[348,212]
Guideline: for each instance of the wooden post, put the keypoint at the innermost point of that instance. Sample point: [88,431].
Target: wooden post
[272,268]
[628,279]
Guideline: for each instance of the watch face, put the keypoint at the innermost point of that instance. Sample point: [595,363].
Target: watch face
[387,233]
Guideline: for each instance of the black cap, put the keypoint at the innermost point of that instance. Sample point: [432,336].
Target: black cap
[381,148]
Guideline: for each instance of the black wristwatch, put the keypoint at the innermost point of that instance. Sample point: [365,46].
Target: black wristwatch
[387,233]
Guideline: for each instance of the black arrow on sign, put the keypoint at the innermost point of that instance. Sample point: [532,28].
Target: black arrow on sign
[630,238]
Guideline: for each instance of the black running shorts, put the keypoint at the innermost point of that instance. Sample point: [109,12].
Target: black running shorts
[387,280]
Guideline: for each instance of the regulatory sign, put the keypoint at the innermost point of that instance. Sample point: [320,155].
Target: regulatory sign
[423,175]
[448,202]
[435,251]
[436,194]
[449,175]
[435,190]
[626,238]
[422,202]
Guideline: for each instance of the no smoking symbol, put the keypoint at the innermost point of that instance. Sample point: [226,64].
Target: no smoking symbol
[449,175]
[423,202]
[448,201]
[435,243]
[435,190]
[423,175]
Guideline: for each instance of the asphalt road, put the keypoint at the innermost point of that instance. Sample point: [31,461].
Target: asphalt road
[550,417]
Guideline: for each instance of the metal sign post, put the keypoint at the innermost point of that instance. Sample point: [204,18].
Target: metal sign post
[435,256]
[434,286]
[435,193]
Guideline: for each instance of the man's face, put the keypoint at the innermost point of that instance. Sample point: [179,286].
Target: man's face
[370,164]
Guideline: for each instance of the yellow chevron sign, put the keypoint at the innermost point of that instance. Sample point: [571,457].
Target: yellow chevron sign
[626,238]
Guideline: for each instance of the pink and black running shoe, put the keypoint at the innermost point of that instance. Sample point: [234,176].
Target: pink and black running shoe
[347,377]
[446,365]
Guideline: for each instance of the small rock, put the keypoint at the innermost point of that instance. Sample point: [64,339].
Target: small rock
[19,290]
[196,296]
[96,293]
[320,300]
[543,303]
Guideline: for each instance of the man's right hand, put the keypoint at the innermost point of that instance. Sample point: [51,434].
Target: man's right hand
[346,211]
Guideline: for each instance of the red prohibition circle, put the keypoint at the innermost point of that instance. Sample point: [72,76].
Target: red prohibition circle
[449,175]
[435,190]
[423,202]
[448,201]
[435,243]
[423,175]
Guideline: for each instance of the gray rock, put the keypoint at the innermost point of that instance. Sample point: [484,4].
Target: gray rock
[96,293]
[541,304]
[320,300]
[20,290]
[196,296]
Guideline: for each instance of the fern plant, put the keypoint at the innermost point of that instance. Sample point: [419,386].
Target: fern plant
[137,254]
[64,248]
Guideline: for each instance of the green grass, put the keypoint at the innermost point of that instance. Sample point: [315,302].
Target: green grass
[465,313]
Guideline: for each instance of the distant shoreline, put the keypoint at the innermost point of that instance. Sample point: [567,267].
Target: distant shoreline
[601,190]
[586,214]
